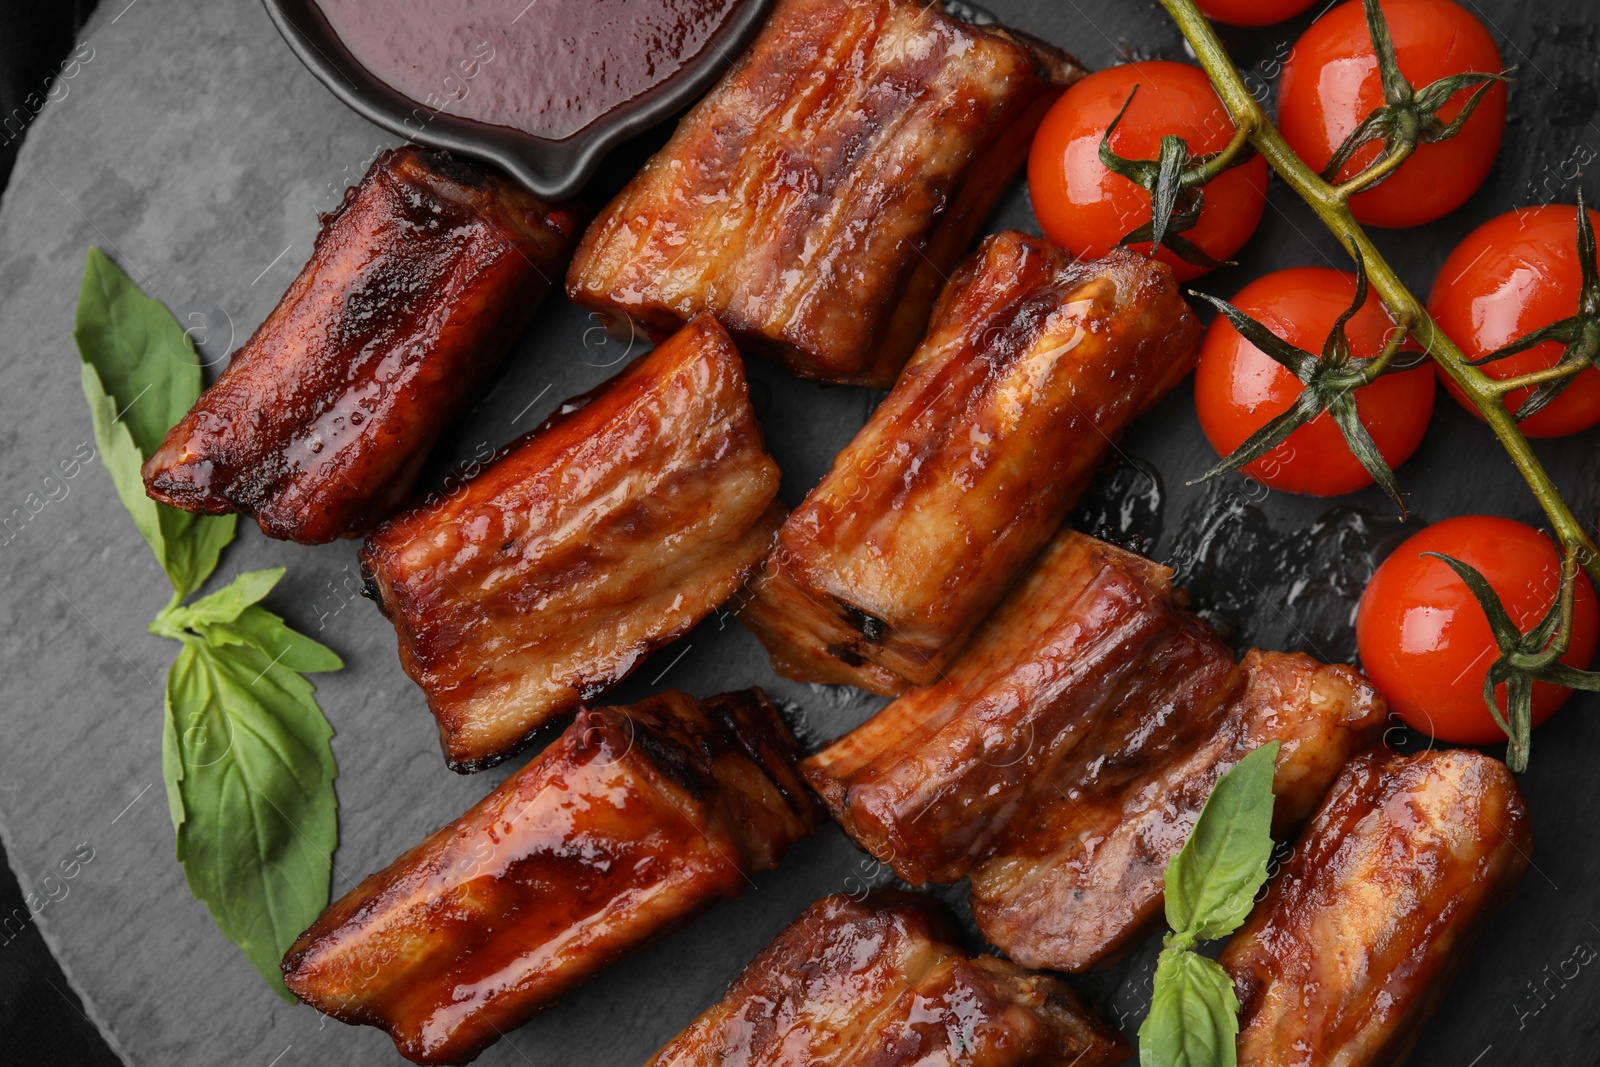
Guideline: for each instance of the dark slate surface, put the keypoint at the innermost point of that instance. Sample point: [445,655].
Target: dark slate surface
[197,153]
[40,1016]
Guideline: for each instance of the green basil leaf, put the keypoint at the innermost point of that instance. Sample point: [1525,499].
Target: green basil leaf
[122,460]
[1213,879]
[144,359]
[250,781]
[229,602]
[141,374]
[188,686]
[230,616]
[1194,1014]
[194,543]
[261,629]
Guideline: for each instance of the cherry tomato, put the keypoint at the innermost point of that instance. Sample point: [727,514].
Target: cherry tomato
[1085,208]
[1238,388]
[1330,83]
[1426,643]
[1516,273]
[1252,12]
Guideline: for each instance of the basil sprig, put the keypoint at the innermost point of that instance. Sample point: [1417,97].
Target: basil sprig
[1210,887]
[244,753]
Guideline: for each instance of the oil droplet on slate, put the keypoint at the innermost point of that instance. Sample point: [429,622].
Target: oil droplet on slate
[1296,589]
[1123,505]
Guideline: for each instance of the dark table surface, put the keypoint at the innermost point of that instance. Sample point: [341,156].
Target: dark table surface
[1238,551]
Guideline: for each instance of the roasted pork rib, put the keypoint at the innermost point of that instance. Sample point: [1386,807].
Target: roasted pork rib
[1359,934]
[1066,753]
[1033,365]
[1081,875]
[418,283]
[598,537]
[816,198]
[633,821]
[929,782]
[876,982]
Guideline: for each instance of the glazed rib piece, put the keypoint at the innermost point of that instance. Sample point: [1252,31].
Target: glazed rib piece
[1091,636]
[1067,752]
[632,822]
[418,283]
[1033,365]
[586,544]
[877,982]
[815,199]
[1081,875]
[1362,930]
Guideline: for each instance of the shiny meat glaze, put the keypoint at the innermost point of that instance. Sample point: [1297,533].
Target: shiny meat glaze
[928,783]
[1360,933]
[585,545]
[1082,874]
[632,822]
[815,200]
[416,287]
[1034,364]
[1068,751]
[877,983]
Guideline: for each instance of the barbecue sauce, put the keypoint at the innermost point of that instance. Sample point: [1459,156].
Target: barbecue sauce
[546,67]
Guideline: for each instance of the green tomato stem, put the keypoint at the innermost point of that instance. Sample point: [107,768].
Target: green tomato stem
[1538,377]
[1372,175]
[1223,160]
[1391,348]
[1326,200]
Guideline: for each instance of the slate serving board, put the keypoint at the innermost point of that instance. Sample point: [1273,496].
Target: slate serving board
[193,149]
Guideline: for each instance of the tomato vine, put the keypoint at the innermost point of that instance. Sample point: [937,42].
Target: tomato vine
[1331,204]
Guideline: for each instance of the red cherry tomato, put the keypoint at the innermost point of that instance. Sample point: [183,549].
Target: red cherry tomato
[1426,643]
[1516,273]
[1086,209]
[1252,12]
[1238,388]
[1330,83]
